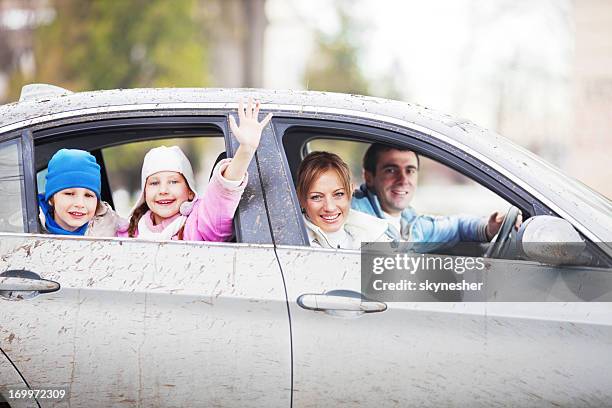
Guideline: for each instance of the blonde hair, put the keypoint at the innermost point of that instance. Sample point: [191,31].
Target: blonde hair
[314,165]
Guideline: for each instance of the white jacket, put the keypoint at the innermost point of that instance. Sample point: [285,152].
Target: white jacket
[359,226]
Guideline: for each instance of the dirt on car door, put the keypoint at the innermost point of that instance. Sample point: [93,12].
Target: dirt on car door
[148,323]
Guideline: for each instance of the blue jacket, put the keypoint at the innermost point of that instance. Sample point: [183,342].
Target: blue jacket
[436,232]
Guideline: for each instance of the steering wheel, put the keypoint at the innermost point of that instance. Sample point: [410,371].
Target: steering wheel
[502,239]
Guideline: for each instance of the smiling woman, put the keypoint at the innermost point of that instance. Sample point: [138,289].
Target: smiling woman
[324,190]
[327,202]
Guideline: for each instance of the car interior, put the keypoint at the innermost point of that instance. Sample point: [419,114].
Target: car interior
[351,146]
[124,134]
[110,134]
[460,179]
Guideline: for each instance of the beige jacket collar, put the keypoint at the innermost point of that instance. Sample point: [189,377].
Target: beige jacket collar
[360,226]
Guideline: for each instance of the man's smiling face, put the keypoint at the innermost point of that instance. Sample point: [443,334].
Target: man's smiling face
[395,180]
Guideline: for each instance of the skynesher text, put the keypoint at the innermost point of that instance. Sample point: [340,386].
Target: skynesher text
[407,285]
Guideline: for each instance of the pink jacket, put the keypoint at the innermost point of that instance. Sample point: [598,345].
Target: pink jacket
[212,215]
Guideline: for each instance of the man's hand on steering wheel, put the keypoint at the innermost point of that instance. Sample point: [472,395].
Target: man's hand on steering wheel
[495,222]
[498,231]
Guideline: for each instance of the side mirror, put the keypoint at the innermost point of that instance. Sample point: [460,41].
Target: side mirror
[551,240]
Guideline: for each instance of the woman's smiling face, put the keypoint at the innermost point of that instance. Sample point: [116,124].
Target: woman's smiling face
[327,202]
[165,191]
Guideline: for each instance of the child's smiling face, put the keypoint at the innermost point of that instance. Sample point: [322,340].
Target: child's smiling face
[73,207]
[165,191]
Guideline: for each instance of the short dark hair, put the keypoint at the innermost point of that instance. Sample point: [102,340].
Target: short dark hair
[370,158]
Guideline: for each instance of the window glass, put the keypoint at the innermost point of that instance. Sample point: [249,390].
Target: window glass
[41,180]
[12,208]
[123,165]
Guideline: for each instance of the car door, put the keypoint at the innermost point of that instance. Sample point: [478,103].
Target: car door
[134,322]
[425,353]
[13,217]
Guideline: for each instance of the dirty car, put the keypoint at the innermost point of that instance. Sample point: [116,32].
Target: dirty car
[123,322]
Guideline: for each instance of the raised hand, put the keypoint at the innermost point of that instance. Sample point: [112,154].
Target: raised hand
[249,131]
[248,134]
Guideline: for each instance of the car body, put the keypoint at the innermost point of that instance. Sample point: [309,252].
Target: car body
[151,323]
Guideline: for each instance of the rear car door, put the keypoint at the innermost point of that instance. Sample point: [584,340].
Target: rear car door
[15,155]
[150,323]
[426,353]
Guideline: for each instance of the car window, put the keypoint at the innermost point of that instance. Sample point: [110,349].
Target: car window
[119,146]
[12,208]
[124,174]
[441,190]
[455,207]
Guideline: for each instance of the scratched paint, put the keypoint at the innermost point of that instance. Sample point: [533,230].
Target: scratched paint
[443,354]
[150,323]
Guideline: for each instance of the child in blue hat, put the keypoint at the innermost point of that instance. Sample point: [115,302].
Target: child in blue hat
[71,204]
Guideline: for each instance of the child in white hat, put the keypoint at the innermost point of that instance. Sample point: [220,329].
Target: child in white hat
[169,207]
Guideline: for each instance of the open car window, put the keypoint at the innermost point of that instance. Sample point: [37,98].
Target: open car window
[446,187]
[124,175]
[119,147]
[441,190]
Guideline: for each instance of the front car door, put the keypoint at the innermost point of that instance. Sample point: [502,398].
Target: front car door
[150,323]
[424,353]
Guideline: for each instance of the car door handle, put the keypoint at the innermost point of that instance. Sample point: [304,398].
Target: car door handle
[26,281]
[27,284]
[325,302]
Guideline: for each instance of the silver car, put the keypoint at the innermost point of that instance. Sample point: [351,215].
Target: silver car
[267,320]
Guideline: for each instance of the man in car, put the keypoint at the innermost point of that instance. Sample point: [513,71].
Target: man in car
[391,176]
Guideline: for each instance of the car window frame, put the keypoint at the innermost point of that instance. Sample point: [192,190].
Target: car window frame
[369,131]
[25,144]
[49,137]
[29,182]
[426,145]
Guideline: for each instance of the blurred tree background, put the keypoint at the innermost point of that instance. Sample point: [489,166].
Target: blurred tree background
[104,44]
[122,44]
[119,44]
[334,64]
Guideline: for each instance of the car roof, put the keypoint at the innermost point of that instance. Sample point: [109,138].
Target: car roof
[56,102]
[561,193]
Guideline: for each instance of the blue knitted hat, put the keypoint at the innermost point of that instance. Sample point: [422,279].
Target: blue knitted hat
[70,168]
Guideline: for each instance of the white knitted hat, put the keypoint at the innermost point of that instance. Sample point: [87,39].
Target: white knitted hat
[165,159]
